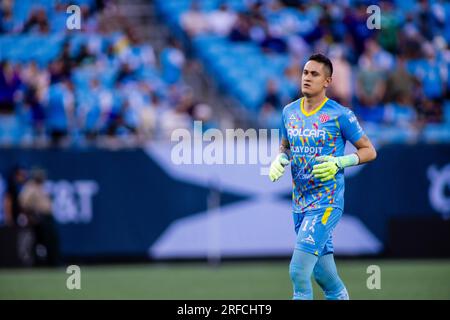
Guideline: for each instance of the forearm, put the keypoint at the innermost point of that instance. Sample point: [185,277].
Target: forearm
[365,150]
[285,148]
[366,154]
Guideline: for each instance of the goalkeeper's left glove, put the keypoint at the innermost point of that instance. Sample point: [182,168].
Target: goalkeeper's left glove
[329,166]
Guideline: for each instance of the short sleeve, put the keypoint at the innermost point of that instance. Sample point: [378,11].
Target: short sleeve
[350,127]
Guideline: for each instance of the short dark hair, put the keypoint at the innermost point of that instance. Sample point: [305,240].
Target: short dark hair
[324,60]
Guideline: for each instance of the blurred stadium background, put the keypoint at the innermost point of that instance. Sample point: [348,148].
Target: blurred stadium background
[91,112]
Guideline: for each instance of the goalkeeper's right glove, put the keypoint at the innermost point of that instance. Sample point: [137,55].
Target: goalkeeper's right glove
[277,167]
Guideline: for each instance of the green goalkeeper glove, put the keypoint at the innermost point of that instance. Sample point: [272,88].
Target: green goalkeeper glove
[277,167]
[331,165]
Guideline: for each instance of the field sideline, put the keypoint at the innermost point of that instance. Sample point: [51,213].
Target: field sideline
[400,279]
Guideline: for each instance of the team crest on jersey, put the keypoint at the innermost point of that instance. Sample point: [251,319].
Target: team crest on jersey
[324,117]
[292,117]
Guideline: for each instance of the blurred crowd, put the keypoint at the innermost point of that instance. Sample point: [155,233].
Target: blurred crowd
[102,85]
[396,75]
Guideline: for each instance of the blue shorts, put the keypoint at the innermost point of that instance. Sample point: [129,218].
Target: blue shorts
[314,230]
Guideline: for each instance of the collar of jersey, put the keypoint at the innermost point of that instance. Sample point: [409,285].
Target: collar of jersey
[315,110]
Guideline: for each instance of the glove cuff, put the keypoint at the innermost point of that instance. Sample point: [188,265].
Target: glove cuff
[348,161]
[282,156]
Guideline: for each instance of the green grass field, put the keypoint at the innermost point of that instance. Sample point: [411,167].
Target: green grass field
[400,279]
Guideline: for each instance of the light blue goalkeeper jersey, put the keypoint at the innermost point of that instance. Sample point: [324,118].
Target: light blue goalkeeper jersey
[322,132]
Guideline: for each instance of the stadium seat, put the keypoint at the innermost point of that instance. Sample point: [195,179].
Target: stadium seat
[436,133]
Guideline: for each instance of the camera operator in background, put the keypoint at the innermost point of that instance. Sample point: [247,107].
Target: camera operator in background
[36,204]
[13,212]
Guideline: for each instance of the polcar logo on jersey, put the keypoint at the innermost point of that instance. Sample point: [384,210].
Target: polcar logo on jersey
[306,133]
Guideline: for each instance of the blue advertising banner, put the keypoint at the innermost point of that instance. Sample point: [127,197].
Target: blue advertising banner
[126,203]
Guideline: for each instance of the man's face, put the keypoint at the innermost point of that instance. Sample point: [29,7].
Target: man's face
[314,78]
[21,176]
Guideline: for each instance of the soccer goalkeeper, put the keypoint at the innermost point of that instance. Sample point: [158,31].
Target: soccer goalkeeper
[314,133]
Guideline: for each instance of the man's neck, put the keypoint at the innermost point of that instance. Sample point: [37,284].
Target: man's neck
[311,103]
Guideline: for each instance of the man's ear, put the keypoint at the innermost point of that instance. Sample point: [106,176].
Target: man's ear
[327,82]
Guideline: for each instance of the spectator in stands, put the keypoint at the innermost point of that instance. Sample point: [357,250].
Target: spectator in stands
[66,60]
[241,29]
[37,205]
[272,99]
[9,84]
[426,19]
[60,111]
[84,56]
[174,95]
[400,83]
[6,17]
[388,34]
[122,124]
[259,27]
[370,87]
[90,23]
[298,48]
[355,20]
[108,58]
[59,16]
[173,120]
[370,84]
[58,71]
[32,102]
[271,105]
[370,90]
[272,41]
[381,60]
[150,118]
[319,32]
[292,70]
[350,49]
[36,81]
[203,112]
[187,102]
[431,72]
[194,21]
[341,90]
[93,109]
[221,21]
[125,73]
[37,21]
[172,61]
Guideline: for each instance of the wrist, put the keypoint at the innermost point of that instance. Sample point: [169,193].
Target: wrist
[348,161]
